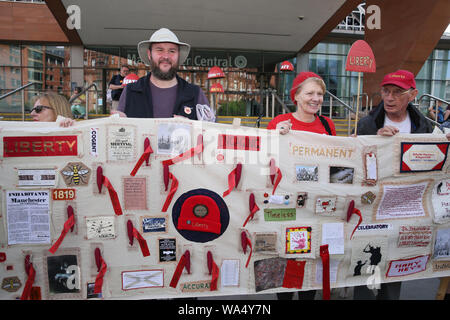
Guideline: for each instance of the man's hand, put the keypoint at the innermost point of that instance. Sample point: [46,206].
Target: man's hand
[120,113]
[387,131]
[284,126]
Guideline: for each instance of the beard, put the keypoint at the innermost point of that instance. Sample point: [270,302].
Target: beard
[159,74]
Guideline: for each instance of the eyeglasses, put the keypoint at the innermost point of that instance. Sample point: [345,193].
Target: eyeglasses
[396,93]
[38,109]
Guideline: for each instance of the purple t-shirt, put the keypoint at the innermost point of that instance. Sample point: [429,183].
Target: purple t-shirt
[163,100]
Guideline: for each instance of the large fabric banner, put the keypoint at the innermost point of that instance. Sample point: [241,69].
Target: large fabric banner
[120,208]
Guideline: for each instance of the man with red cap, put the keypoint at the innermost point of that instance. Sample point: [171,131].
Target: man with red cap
[162,93]
[395,114]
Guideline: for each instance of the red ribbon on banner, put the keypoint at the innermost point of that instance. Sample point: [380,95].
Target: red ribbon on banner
[173,189]
[253,208]
[233,179]
[293,274]
[215,276]
[67,226]
[178,270]
[188,154]
[352,210]
[325,256]
[245,241]
[28,285]
[113,195]
[144,157]
[142,243]
[99,279]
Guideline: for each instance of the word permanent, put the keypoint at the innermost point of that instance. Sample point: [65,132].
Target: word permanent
[321,151]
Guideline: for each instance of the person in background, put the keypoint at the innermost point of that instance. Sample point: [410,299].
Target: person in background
[440,115]
[78,106]
[162,93]
[51,107]
[307,93]
[116,86]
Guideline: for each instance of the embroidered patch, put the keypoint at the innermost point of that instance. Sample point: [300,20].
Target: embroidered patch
[441,266]
[36,177]
[269,273]
[76,174]
[341,175]
[423,156]
[440,200]
[306,173]
[280,214]
[90,291]
[135,193]
[301,199]
[101,227]
[298,240]
[154,224]
[442,244]
[167,250]
[11,284]
[139,279]
[234,142]
[415,236]
[405,267]
[402,201]
[196,286]
[368,255]
[173,138]
[326,205]
[63,194]
[265,242]
[368,197]
[64,275]
[229,273]
[46,146]
[93,142]
[121,144]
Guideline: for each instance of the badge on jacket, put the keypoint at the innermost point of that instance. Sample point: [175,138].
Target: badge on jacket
[187,110]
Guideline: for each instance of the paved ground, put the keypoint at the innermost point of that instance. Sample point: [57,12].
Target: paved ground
[424,289]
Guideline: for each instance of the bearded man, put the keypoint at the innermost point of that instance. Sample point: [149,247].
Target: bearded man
[162,93]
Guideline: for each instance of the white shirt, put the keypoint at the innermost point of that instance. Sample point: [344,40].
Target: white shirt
[403,126]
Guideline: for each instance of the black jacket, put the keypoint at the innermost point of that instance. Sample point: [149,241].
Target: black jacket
[370,124]
[139,99]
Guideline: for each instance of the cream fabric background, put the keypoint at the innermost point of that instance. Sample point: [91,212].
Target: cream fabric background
[212,174]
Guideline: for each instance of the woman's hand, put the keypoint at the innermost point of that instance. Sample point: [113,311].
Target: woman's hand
[284,126]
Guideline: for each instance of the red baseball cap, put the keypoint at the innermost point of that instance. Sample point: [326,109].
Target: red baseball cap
[400,78]
[302,76]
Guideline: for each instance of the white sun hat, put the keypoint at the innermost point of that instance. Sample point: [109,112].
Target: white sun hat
[163,35]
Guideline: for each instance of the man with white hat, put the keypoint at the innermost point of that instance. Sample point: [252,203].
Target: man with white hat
[162,93]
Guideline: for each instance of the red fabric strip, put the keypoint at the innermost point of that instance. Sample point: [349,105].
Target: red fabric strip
[99,279]
[178,270]
[359,222]
[67,225]
[173,189]
[251,250]
[144,157]
[293,274]
[27,289]
[277,181]
[231,182]
[142,243]
[253,209]
[113,195]
[325,256]
[186,155]
[215,276]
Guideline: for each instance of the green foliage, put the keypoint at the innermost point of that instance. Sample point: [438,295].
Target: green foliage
[232,108]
